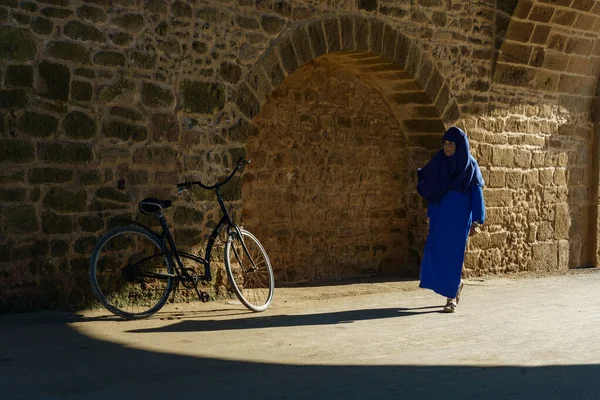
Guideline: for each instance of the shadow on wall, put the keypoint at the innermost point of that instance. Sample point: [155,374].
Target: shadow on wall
[51,360]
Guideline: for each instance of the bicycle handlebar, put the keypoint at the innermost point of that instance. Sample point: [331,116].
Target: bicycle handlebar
[188,185]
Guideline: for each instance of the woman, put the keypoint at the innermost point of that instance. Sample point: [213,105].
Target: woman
[452,185]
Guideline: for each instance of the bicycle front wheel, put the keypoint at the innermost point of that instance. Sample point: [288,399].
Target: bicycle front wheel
[249,270]
[125,269]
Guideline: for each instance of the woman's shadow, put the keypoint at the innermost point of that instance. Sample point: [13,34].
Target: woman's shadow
[277,321]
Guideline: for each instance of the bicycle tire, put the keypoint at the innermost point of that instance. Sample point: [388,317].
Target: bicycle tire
[253,283]
[109,252]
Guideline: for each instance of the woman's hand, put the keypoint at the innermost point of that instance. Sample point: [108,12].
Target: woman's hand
[473,229]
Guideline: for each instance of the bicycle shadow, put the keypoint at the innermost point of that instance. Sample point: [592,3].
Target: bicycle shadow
[44,357]
[282,321]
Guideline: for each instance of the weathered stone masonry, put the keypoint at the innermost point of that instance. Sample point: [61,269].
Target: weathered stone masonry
[338,102]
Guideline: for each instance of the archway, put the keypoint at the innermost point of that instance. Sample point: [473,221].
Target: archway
[342,123]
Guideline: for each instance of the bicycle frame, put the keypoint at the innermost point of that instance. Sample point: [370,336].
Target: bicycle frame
[166,238]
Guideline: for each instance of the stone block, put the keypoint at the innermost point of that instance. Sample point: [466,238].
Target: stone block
[555,195]
[503,157]
[522,158]
[157,6]
[188,216]
[230,72]
[531,178]
[541,13]
[564,17]
[65,152]
[83,32]
[85,245]
[155,96]
[272,24]
[557,42]
[545,231]
[92,14]
[425,126]
[19,75]
[376,39]
[347,33]
[61,199]
[514,179]
[513,75]
[540,34]
[16,151]
[121,38]
[515,53]
[156,155]
[498,197]
[246,101]
[49,175]
[11,99]
[361,33]
[181,9]
[57,13]
[55,81]
[38,125]
[317,38]
[585,22]
[563,255]
[574,85]
[68,51]
[202,97]
[165,127]
[581,46]
[302,45]
[56,224]
[109,59]
[331,27]
[79,125]
[91,177]
[520,31]
[537,57]
[562,221]
[124,131]
[545,257]
[110,193]
[81,91]
[17,44]
[130,22]
[12,195]
[42,26]
[497,178]
[85,72]
[116,91]
[19,220]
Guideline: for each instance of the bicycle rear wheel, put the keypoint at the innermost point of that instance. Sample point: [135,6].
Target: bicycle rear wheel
[249,270]
[117,265]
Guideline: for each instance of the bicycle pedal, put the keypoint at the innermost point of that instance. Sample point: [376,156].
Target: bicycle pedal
[205,297]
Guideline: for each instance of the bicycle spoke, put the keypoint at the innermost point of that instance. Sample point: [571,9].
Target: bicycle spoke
[250,272]
[117,273]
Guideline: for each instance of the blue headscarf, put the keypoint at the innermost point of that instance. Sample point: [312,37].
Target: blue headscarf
[457,172]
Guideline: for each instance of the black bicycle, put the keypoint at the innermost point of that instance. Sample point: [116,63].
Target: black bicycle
[133,269]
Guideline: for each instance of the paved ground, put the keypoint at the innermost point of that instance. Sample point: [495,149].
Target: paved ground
[523,338]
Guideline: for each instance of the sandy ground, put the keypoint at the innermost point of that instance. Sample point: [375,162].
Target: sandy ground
[523,337]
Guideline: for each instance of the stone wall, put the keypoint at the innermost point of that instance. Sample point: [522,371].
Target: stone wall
[329,190]
[104,102]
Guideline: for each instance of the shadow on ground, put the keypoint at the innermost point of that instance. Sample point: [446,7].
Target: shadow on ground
[43,357]
[280,321]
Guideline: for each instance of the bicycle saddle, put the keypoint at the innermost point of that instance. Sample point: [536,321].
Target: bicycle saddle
[150,205]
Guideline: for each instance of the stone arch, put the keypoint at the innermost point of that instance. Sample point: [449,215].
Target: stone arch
[309,40]
[420,102]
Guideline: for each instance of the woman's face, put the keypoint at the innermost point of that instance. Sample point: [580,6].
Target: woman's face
[449,148]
